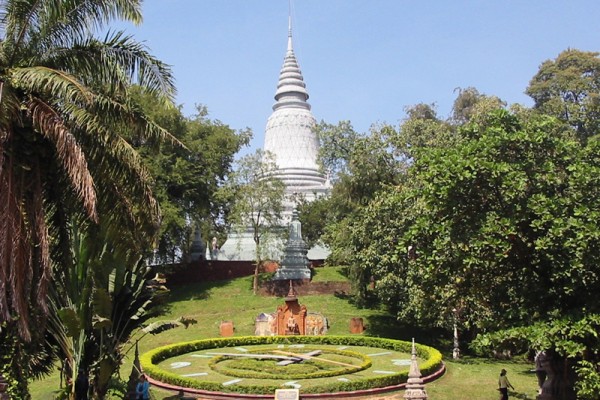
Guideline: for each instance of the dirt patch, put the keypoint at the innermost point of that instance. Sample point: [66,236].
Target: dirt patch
[304,288]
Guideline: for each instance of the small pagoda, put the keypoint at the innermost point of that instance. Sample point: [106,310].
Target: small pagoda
[294,265]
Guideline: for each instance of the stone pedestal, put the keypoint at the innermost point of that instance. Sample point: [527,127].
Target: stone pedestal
[226,328]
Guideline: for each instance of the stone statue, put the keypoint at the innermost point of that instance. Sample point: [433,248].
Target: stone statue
[214,249]
[291,324]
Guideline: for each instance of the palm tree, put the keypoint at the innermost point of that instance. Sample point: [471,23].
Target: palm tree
[65,107]
[64,102]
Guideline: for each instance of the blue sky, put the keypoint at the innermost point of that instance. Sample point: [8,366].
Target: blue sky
[362,60]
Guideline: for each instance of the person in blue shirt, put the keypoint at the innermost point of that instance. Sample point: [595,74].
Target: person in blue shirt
[142,390]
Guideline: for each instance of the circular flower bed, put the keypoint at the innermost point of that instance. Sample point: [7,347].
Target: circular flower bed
[311,367]
[257,371]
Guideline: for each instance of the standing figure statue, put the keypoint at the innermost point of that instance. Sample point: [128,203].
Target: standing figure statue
[214,249]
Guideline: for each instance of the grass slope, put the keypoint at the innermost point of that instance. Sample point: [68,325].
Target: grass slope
[212,302]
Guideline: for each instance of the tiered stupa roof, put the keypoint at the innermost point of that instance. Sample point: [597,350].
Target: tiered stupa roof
[289,134]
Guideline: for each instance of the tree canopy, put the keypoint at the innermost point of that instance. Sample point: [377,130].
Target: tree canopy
[491,218]
[568,87]
[499,226]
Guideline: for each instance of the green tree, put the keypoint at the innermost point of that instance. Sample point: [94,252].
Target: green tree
[64,100]
[422,127]
[359,165]
[568,88]
[499,226]
[571,350]
[313,215]
[256,199]
[186,179]
[470,103]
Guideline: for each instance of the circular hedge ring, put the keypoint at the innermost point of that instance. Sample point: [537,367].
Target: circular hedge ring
[224,370]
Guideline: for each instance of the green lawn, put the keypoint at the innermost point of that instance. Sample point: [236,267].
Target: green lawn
[213,302]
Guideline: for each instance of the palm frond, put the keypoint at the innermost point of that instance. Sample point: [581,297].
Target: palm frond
[161,326]
[10,112]
[104,116]
[122,176]
[5,243]
[142,68]
[16,245]
[119,174]
[72,158]
[76,18]
[20,21]
[51,83]
[118,61]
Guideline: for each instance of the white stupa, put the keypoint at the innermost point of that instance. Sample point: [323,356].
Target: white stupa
[290,137]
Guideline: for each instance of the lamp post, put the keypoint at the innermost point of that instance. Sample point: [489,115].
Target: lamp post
[456,348]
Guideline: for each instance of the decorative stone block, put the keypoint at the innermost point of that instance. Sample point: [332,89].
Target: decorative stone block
[226,328]
[357,325]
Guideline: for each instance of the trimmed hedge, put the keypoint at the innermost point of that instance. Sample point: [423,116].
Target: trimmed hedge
[432,363]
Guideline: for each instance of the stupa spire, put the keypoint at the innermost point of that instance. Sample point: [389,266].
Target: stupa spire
[291,89]
[289,33]
[289,25]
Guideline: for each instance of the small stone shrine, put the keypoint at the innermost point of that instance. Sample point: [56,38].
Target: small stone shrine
[291,317]
[295,262]
[265,325]
[415,388]
[197,249]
